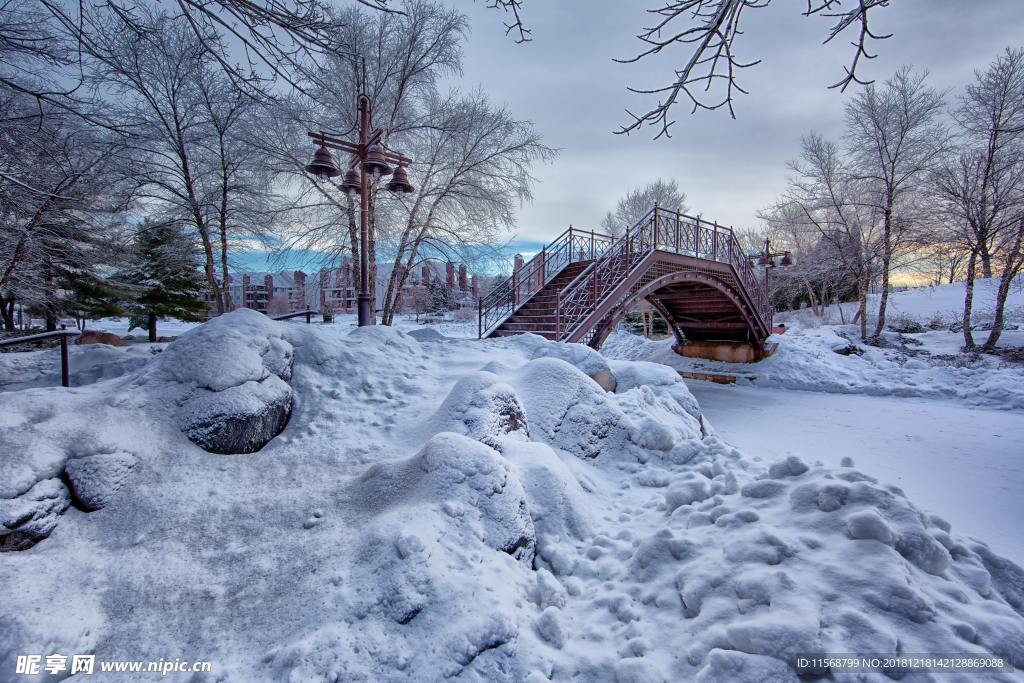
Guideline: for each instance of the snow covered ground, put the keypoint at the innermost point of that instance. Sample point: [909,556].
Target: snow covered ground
[449,326]
[441,508]
[964,463]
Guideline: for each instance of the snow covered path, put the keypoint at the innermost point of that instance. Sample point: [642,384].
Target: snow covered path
[964,463]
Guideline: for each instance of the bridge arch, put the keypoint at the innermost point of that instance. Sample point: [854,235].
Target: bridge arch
[677,285]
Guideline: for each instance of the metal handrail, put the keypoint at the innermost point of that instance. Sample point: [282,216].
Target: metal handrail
[65,366]
[288,316]
[573,245]
[700,239]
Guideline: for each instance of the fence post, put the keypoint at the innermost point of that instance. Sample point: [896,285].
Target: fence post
[714,242]
[65,370]
[308,317]
[480,318]
[654,242]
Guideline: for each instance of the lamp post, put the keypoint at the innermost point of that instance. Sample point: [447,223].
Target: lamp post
[371,158]
[767,257]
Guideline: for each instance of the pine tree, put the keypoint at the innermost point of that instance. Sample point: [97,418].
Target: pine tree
[165,280]
[439,297]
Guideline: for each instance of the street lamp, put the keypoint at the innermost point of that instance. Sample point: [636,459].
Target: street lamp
[766,259]
[368,157]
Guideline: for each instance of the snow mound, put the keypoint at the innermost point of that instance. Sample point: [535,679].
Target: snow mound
[466,510]
[476,485]
[481,407]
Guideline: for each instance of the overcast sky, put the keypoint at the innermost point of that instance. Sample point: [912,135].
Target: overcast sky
[566,83]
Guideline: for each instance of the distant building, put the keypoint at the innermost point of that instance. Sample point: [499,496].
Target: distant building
[333,290]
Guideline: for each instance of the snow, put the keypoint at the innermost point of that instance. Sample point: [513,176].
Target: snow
[440,508]
[961,462]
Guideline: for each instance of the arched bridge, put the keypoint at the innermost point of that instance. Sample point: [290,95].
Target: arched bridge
[694,273]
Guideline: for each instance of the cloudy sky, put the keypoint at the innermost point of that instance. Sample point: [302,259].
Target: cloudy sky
[566,82]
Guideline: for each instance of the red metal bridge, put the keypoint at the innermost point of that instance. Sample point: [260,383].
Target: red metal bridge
[694,274]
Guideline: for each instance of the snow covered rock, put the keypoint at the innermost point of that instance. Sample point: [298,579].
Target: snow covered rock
[239,419]
[587,360]
[481,407]
[29,518]
[474,483]
[234,371]
[96,479]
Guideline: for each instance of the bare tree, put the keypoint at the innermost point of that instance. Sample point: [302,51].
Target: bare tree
[61,210]
[831,200]
[397,59]
[188,136]
[708,31]
[895,138]
[982,186]
[638,201]
[473,171]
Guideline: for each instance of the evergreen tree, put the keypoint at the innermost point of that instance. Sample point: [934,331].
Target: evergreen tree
[165,279]
[439,297]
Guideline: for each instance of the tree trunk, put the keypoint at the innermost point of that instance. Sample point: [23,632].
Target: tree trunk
[151,326]
[862,313]
[7,309]
[986,260]
[972,264]
[1011,267]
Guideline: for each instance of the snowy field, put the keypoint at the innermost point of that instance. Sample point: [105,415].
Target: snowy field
[442,508]
[965,463]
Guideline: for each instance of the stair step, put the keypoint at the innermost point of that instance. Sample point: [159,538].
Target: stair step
[511,333]
[528,327]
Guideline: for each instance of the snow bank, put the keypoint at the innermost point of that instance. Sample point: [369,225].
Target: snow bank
[832,359]
[455,509]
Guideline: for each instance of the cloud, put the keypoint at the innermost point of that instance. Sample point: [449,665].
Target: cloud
[566,83]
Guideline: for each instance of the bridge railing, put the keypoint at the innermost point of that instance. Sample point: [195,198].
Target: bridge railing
[571,246]
[658,229]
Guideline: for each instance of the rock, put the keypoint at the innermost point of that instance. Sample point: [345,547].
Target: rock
[240,419]
[98,337]
[482,408]
[29,518]
[605,379]
[233,373]
[94,480]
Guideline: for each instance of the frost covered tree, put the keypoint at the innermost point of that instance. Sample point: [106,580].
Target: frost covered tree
[472,173]
[61,210]
[981,186]
[895,138]
[638,201]
[189,135]
[471,159]
[829,201]
[164,279]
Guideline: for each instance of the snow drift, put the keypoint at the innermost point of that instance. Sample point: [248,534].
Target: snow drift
[445,509]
